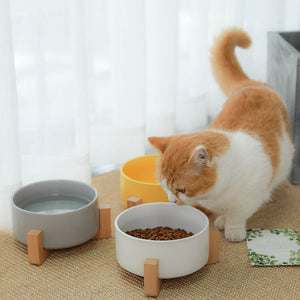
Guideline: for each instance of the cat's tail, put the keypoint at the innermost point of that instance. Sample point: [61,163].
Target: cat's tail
[226,68]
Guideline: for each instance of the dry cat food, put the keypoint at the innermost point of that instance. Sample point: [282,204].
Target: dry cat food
[160,233]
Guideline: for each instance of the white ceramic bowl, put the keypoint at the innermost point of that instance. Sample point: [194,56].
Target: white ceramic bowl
[176,257]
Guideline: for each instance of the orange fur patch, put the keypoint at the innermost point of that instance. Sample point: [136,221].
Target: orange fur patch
[176,165]
[226,68]
[252,107]
[259,112]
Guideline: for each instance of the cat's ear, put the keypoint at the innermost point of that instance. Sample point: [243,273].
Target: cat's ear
[160,143]
[200,157]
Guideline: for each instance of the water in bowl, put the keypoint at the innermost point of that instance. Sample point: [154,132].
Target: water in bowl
[55,204]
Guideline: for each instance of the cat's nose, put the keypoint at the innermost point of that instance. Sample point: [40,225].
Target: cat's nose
[172,198]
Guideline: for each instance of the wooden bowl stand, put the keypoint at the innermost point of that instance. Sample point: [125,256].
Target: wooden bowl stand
[152,282]
[36,251]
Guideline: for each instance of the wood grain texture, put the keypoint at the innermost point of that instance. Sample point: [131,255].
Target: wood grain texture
[104,222]
[36,252]
[151,277]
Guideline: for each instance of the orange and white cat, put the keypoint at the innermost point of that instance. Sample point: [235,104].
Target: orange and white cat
[232,167]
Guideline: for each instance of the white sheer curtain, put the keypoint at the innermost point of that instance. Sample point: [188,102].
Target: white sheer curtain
[84,83]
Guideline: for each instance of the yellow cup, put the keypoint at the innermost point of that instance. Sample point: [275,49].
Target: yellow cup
[138,179]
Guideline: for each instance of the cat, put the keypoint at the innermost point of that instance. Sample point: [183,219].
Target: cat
[231,167]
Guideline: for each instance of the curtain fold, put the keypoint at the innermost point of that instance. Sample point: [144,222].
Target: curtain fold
[79,79]
[10,163]
[193,66]
[161,40]
[95,78]
[51,68]
[124,134]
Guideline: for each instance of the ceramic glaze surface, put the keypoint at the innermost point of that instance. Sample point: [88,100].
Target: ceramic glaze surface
[55,204]
[176,257]
[65,210]
[138,179]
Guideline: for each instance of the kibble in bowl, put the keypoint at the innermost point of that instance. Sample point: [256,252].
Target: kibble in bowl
[177,256]
[160,233]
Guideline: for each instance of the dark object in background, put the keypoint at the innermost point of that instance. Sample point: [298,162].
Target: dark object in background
[284,76]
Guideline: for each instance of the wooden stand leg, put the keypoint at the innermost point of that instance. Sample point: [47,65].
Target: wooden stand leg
[214,236]
[151,280]
[36,252]
[104,223]
[133,201]
[204,210]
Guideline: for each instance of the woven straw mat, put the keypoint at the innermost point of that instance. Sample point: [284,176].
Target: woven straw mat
[91,271]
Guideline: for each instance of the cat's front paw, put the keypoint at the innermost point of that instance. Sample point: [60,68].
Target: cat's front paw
[235,235]
[220,222]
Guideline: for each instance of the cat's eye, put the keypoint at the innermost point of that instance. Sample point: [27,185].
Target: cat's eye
[181,190]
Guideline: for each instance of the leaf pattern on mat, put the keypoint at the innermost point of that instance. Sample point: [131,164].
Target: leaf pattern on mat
[295,257]
[254,233]
[292,256]
[261,259]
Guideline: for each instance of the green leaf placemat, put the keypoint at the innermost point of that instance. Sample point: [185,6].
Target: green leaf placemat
[273,247]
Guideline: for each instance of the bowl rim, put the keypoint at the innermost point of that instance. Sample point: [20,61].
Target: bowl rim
[134,180]
[117,228]
[53,181]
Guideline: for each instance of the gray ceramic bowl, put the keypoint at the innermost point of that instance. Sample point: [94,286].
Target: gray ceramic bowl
[65,210]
